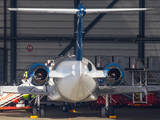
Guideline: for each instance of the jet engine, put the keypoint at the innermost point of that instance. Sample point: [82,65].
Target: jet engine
[114,74]
[39,74]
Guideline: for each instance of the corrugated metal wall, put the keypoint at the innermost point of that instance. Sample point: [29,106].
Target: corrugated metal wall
[1,18]
[1,66]
[45,24]
[63,25]
[1,42]
[42,50]
[152,19]
[152,49]
[112,24]
[122,24]
[152,28]
[2,60]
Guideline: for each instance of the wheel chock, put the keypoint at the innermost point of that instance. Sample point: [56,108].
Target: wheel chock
[112,116]
[32,116]
[71,110]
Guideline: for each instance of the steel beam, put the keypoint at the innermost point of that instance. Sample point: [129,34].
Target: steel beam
[13,46]
[4,47]
[99,17]
[110,39]
[141,49]
[76,2]
[72,43]
[75,47]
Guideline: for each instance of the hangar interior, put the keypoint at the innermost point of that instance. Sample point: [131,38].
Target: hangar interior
[133,35]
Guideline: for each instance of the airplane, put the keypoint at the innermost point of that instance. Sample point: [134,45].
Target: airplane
[74,78]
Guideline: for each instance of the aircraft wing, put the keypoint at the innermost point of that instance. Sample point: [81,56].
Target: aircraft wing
[55,74]
[97,74]
[74,11]
[43,90]
[91,11]
[46,10]
[127,89]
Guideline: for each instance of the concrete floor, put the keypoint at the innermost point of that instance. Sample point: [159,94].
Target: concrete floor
[123,113]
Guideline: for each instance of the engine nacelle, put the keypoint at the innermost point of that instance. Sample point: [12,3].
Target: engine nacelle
[114,73]
[39,73]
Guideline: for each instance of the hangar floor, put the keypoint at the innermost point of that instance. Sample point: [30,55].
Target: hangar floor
[123,113]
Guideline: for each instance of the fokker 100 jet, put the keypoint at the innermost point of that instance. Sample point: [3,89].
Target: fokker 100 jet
[74,78]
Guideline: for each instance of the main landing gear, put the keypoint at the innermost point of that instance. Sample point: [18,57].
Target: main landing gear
[66,107]
[107,110]
[38,109]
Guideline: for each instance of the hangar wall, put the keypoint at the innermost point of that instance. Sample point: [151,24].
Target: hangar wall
[43,50]
[1,66]
[152,19]
[124,24]
[1,18]
[112,24]
[152,49]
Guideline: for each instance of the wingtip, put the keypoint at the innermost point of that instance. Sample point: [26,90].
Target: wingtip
[12,9]
[151,8]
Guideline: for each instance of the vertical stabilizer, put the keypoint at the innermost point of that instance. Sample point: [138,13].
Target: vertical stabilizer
[79,42]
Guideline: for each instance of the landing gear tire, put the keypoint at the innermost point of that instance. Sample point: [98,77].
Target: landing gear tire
[110,110]
[91,106]
[42,111]
[117,105]
[1,110]
[34,110]
[154,105]
[65,108]
[70,107]
[103,111]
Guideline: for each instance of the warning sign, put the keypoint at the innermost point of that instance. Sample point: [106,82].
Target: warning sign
[29,48]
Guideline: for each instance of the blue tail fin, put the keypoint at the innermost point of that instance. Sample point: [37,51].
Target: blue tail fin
[79,42]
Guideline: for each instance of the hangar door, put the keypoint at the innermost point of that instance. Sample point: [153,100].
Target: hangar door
[1,66]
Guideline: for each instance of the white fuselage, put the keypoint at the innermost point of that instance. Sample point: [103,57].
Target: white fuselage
[75,85]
